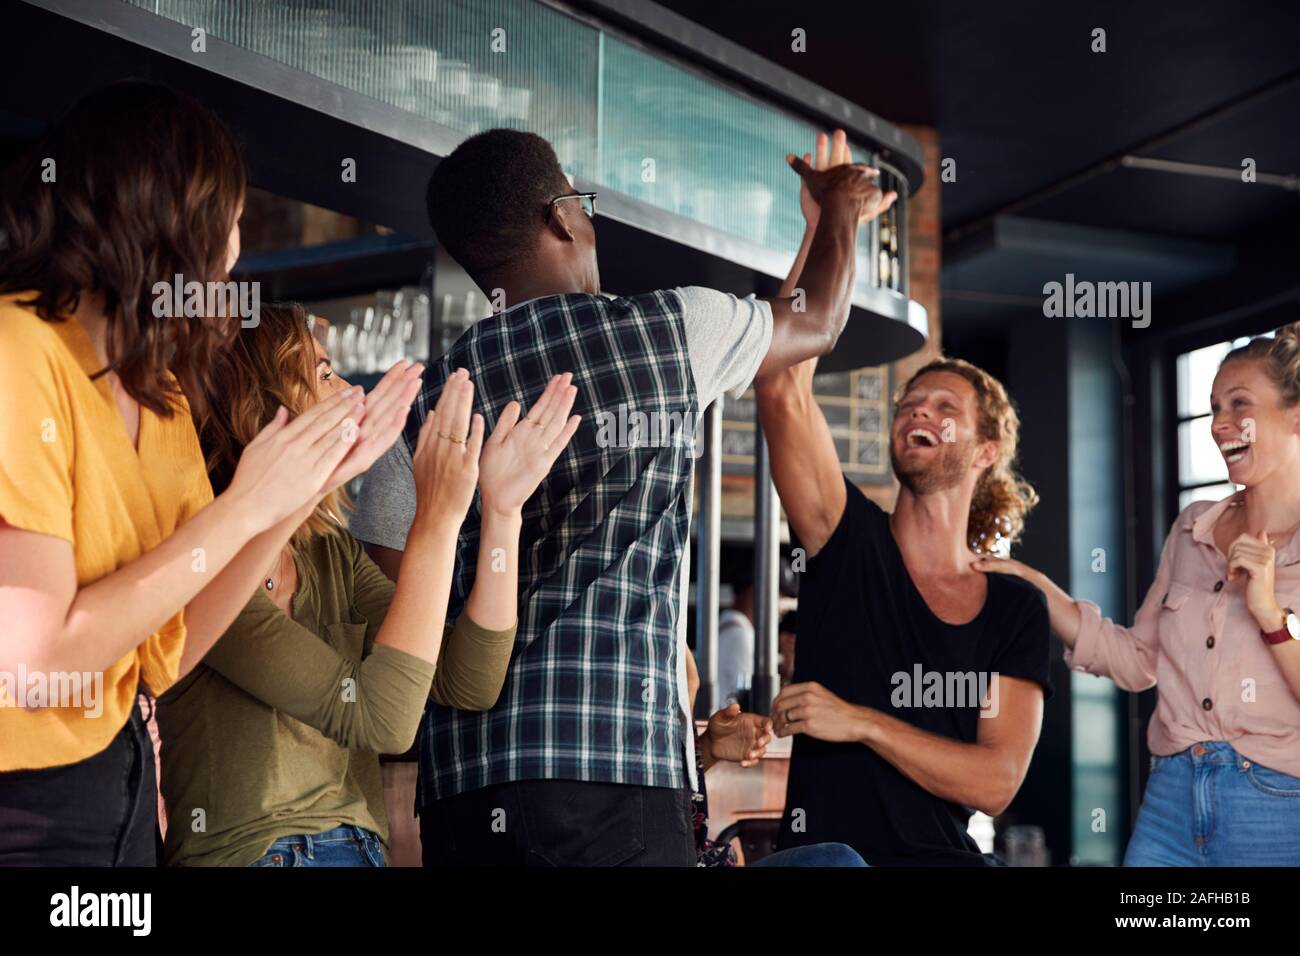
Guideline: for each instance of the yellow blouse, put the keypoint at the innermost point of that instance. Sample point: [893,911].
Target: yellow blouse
[68,469]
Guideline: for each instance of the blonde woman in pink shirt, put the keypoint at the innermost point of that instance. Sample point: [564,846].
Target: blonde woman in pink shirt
[1218,636]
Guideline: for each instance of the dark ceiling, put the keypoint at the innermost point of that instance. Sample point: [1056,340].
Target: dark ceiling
[1021,102]
[1038,123]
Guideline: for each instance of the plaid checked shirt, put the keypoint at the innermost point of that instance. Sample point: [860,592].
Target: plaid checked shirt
[591,690]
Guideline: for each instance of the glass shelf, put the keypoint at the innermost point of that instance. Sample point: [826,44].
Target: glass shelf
[626,118]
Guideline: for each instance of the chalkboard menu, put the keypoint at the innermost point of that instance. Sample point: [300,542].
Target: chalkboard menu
[856,405]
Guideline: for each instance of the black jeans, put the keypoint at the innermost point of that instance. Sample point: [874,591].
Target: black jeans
[559,823]
[101,811]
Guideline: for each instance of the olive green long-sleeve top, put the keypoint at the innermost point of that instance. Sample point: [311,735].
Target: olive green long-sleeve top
[278,731]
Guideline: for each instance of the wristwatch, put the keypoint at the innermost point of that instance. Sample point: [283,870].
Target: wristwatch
[1289,631]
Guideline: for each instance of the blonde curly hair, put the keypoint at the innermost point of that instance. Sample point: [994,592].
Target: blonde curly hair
[1002,498]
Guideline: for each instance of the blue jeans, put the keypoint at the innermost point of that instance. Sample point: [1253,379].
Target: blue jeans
[815,854]
[342,846]
[1210,806]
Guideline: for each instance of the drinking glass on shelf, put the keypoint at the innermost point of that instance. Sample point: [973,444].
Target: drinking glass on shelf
[347,344]
[416,62]
[447,331]
[395,330]
[416,323]
[386,305]
[705,207]
[515,102]
[569,149]
[484,97]
[473,310]
[752,206]
[453,78]
[367,339]
[323,331]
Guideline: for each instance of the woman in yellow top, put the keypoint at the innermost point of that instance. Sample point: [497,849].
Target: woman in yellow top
[118,570]
[273,741]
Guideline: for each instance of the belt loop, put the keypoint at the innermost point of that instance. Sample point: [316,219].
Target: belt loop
[141,695]
[311,849]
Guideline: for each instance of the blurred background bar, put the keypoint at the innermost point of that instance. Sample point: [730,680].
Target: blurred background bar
[679,114]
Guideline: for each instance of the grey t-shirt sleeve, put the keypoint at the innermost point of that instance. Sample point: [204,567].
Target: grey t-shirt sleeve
[386,506]
[726,339]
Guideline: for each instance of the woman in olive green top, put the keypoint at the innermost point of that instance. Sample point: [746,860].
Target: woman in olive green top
[270,746]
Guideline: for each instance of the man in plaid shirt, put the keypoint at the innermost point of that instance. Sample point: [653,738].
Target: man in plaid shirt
[587,757]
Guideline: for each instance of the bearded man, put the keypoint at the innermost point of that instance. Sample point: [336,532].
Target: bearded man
[919,685]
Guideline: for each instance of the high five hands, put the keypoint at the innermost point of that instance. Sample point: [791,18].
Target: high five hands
[833,177]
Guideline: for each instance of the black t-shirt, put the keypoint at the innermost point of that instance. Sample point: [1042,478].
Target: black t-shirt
[866,634]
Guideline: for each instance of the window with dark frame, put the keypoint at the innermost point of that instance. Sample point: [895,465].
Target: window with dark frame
[1202,475]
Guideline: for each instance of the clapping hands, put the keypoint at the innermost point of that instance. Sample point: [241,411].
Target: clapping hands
[521,451]
[451,456]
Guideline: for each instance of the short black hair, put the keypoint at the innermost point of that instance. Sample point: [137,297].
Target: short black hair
[487,199]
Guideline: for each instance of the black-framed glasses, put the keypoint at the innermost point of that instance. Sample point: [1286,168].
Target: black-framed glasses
[588,203]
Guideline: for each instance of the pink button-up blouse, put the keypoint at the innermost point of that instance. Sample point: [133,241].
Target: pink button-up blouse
[1194,639]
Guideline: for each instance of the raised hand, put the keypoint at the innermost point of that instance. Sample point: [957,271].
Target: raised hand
[807,205]
[833,177]
[447,454]
[288,465]
[520,452]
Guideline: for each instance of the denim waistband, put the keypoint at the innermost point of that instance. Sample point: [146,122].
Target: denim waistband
[343,834]
[1212,752]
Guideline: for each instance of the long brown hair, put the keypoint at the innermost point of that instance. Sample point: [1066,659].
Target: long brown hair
[269,365]
[135,185]
[1002,498]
